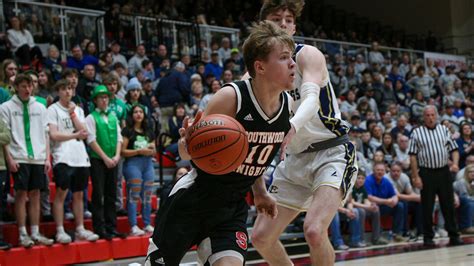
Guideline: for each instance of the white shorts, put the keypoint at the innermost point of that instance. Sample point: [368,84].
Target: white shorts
[297,177]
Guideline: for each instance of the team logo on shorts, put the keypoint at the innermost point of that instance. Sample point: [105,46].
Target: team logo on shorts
[273,189]
[241,240]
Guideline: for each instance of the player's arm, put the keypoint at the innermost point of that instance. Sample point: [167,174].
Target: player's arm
[223,102]
[312,65]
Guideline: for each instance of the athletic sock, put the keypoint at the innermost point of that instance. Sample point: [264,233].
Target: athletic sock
[22,230]
[34,230]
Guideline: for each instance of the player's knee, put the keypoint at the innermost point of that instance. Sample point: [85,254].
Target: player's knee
[259,238]
[314,234]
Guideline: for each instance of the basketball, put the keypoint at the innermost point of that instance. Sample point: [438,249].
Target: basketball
[218,144]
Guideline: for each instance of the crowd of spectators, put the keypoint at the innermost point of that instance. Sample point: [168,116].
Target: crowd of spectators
[149,93]
[45,25]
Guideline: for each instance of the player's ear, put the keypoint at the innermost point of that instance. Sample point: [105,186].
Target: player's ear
[259,67]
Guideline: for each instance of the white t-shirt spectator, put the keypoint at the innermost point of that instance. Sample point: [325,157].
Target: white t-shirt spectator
[18,38]
[71,152]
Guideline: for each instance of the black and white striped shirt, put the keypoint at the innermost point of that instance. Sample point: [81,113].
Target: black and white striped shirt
[431,146]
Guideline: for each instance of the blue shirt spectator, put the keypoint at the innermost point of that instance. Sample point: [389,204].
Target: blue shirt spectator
[79,64]
[214,67]
[174,87]
[383,190]
[78,60]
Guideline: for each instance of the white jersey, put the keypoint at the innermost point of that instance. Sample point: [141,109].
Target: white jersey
[71,152]
[326,122]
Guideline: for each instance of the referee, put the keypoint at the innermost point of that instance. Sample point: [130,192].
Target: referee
[430,145]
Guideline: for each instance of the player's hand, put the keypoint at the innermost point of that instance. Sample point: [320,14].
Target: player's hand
[188,124]
[286,141]
[266,204]
[184,133]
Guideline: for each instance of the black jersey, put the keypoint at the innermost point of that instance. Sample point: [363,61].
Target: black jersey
[265,135]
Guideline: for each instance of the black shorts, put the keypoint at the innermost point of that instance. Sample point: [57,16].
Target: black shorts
[73,178]
[29,177]
[196,216]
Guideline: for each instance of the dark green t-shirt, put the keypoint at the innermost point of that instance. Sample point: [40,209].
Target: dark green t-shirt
[359,194]
[137,140]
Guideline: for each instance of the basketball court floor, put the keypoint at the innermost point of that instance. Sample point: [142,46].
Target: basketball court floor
[409,253]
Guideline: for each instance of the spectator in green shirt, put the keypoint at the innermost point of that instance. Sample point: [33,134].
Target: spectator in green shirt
[366,208]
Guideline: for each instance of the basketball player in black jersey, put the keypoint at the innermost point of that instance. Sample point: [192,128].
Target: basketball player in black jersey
[211,210]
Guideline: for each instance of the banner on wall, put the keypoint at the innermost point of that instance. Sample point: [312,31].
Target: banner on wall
[443,60]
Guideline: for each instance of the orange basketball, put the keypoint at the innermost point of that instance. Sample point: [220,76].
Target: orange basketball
[218,144]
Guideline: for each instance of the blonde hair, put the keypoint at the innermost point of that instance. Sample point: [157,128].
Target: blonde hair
[263,37]
[469,168]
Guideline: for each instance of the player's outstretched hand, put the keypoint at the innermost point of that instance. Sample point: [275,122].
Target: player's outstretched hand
[184,134]
[266,204]
[286,141]
[188,123]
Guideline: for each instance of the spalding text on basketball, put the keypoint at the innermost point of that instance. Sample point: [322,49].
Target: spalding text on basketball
[205,123]
[208,142]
